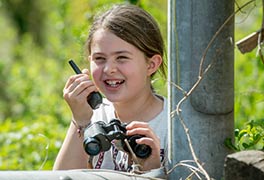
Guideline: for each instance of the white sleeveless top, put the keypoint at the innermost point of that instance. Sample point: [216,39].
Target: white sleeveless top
[115,159]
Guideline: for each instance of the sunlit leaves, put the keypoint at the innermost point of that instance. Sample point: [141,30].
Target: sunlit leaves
[33,115]
[249,137]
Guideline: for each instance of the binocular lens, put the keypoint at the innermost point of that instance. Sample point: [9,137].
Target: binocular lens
[92,146]
[142,150]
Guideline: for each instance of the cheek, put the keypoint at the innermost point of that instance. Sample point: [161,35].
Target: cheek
[95,72]
[135,74]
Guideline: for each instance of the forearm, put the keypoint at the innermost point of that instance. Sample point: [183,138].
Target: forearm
[71,154]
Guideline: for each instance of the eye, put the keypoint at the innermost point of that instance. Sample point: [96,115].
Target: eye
[122,58]
[99,59]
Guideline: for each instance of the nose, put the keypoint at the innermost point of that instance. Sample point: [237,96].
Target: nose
[110,67]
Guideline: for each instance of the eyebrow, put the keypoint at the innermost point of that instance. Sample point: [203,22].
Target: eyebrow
[121,52]
[113,53]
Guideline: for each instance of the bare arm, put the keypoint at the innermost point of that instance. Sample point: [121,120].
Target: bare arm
[71,154]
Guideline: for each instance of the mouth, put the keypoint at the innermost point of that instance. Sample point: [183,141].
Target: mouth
[114,83]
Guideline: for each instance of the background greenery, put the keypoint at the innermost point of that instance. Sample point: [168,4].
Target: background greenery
[39,36]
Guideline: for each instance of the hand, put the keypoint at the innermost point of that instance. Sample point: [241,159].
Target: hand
[75,92]
[150,139]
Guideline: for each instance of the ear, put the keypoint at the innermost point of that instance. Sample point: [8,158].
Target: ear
[154,64]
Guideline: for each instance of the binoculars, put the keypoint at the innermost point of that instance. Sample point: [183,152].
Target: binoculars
[98,137]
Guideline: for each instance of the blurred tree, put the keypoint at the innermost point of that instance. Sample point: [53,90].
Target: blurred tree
[28,16]
[37,38]
[136,2]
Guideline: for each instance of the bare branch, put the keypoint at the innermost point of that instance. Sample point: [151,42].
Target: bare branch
[186,95]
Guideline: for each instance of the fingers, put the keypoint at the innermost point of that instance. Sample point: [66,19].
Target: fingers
[77,89]
[75,92]
[77,84]
[74,77]
[150,139]
[141,128]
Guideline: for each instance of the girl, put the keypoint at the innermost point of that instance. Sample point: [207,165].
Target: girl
[125,50]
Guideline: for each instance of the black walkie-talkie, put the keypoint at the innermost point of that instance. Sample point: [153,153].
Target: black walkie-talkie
[95,98]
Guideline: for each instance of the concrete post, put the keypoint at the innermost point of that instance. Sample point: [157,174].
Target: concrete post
[208,112]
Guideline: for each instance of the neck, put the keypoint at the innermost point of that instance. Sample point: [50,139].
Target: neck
[143,108]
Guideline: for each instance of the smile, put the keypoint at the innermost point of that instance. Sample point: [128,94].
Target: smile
[114,83]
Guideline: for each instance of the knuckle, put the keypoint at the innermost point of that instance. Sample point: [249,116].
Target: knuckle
[83,84]
[72,78]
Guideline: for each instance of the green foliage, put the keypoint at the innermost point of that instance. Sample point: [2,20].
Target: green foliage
[249,80]
[31,145]
[33,115]
[249,137]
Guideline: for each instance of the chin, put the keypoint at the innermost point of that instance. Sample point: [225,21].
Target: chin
[112,98]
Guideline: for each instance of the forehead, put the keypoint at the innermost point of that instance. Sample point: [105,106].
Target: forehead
[105,40]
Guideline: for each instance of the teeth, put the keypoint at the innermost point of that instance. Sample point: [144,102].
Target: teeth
[113,83]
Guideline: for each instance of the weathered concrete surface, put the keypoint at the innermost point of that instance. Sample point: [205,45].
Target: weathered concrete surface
[93,174]
[245,165]
[209,111]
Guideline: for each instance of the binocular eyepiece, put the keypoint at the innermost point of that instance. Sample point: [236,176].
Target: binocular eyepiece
[98,137]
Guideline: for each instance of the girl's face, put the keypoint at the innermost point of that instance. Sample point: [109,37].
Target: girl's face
[120,70]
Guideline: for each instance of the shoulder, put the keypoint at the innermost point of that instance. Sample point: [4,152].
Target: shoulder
[159,124]
[161,120]
[164,113]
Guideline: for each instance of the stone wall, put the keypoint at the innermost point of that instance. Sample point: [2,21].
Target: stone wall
[245,165]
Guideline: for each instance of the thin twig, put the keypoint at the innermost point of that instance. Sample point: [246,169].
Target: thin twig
[200,77]
[217,33]
[47,151]
[136,165]
[247,15]
[259,51]
[184,163]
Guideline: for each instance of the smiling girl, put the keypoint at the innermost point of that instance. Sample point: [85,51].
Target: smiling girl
[125,50]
